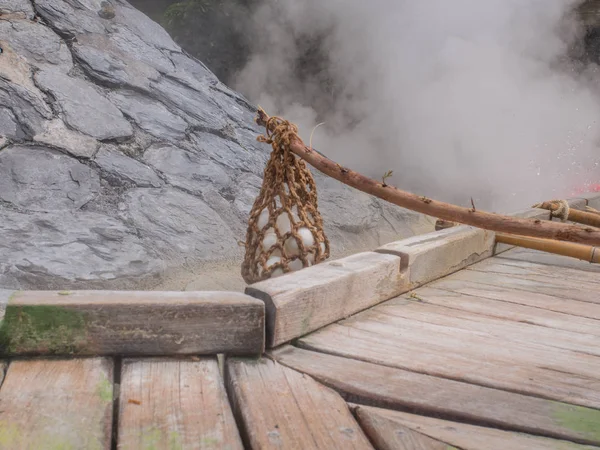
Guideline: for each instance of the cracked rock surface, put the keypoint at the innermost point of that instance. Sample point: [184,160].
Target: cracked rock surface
[124,161]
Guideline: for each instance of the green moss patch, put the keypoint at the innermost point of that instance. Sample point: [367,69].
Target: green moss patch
[44,329]
[584,421]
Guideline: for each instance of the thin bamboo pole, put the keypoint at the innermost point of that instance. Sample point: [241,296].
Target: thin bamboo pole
[583,252]
[469,216]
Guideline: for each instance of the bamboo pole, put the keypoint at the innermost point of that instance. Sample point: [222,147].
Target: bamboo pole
[583,252]
[583,217]
[469,216]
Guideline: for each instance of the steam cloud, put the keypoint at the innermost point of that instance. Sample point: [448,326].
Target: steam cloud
[461,99]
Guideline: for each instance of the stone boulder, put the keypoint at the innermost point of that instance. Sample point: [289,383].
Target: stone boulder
[123,160]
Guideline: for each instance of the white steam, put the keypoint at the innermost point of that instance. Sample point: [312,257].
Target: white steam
[461,99]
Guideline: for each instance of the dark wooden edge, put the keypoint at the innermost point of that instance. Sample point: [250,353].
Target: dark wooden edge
[131,323]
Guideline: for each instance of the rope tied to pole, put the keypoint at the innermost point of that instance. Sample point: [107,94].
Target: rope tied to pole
[285,229]
[558,208]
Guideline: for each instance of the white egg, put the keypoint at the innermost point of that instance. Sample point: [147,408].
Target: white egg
[311,258]
[322,246]
[283,223]
[277,273]
[269,240]
[263,219]
[291,246]
[306,236]
[273,260]
[276,252]
[295,265]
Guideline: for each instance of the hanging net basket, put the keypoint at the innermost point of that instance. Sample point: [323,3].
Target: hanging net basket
[285,230]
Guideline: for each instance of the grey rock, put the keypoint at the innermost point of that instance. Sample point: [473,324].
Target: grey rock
[39,44]
[83,107]
[19,7]
[199,107]
[104,61]
[56,134]
[72,20]
[150,115]
[230,154]
[38,179]
[245,190]
[27,105]
[175,223]
[67,249]
[186,170]
[8,124]
[122,167]
[129,42]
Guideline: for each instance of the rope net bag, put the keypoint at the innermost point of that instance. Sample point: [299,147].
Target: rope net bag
[285,230]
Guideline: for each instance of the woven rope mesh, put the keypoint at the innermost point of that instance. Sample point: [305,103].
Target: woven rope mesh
[285,230]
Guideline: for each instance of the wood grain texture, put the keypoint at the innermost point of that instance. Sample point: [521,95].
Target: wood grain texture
[510,295]
[517,266]
[281,408]
[415,352]
[510,311]
[390,426]
[132,323]
[57,404]
[175,404]
[556,287]
[388,387]
[408,310]
[304,301]
[386,434]
[434,255]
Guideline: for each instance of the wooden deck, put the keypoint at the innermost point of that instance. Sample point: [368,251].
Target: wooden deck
[503,354]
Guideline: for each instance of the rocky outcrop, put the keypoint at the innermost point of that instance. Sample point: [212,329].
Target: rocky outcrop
[123,159]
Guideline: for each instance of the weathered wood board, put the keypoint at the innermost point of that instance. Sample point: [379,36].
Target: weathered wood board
[174,404]
[519,297]
[57,404]
[317,296]
[434,255]
[529,255]
[411,352]
[412,311]
[510,311]
[520,267]
[560,278]
[556,287]
[132,323]
[392,388]
[389,430]
[281,408]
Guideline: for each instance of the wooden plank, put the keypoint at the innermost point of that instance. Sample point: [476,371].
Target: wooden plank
[132,323]
[417,311]
[509,294]
[509,311]
[386,434]
[57,404]
[434,255]
[281,408]
[388,387]
[576,272]
[552,287]
[388,428]
[554,275]
[456,363]
[389,324]
[175,404]
[309,299]
[530,255]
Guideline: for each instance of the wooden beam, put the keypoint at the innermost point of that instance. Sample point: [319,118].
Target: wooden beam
[579,251]
[434,208]
[388,428]
[132,323]
[303,301]
[57,404]
[281,408]
[394,388]
[174,404]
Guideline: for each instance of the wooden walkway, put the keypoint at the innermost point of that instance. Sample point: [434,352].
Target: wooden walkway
[504,354]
